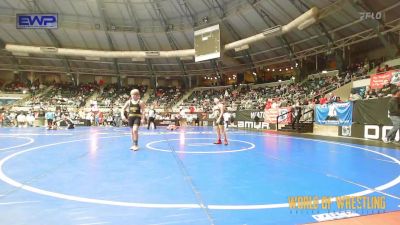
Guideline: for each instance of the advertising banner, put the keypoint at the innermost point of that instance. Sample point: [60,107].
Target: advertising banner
[370,120]
[334,114]
[271,114]
[251,119]
[392,76]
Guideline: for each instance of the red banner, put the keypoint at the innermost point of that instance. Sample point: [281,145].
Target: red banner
[271,114]
[378,80]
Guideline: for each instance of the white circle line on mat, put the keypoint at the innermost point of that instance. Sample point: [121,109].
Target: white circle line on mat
[15,183]
[31,140]
[251,146]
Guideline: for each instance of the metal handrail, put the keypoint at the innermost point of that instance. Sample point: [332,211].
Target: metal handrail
[312,117]
[277,118]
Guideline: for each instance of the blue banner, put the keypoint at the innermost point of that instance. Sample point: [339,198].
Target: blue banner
[334,114]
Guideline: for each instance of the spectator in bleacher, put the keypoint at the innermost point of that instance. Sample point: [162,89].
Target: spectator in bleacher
[315,101]
[371,94]
[323,100]
[386,89]
[192,109]
[268,104]
[380,69]
[387,68]
[347,78]
[354,96]
[394,113]
[395,79]
[332,98]
[274,104]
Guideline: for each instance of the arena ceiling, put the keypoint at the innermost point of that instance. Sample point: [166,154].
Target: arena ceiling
[162,25]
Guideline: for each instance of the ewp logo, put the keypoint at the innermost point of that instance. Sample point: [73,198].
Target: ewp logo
[37,21]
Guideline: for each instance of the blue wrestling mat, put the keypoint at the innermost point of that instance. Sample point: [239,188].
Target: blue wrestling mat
[88,176]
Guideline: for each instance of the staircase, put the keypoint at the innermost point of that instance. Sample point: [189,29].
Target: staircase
[302,127]
[45,91]
[146,95]
[305,126]
[89,100]
[28,97]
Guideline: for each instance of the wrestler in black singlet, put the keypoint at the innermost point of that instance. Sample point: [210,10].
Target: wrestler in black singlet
[134,115]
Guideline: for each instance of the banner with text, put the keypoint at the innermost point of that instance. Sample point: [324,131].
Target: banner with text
[392,76]
[334,114]
[250,119]
[284,118]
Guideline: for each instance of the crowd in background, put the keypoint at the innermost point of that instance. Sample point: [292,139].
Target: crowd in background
[165,97]
[112,96]
[283,95]
[71,101]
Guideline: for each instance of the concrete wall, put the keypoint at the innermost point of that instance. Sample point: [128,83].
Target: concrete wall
[13,96]
[168,82]
[361,83]
[344,91]
[332,131]
[391,63]
[50,78]
[378,53]
[106,79]
[83,78]
[144,82]
[6,76]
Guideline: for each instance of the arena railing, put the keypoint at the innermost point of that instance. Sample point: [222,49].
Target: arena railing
[302,115]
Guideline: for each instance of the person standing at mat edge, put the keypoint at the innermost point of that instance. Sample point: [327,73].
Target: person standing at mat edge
[151,118]
[394,113]
[218,112]
[135,108]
